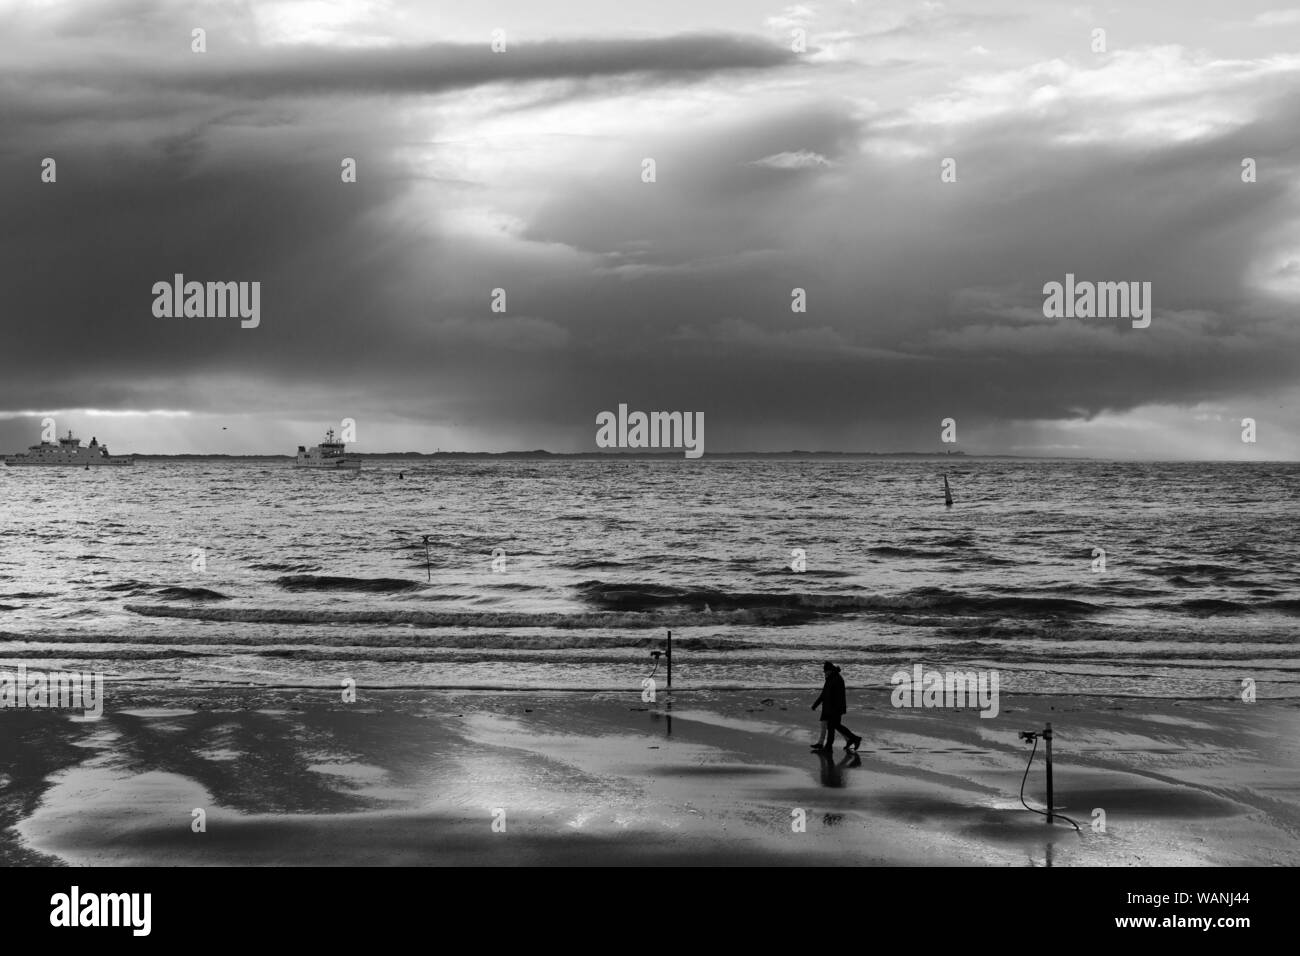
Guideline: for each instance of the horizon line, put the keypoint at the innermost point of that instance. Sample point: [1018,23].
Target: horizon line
[675,454]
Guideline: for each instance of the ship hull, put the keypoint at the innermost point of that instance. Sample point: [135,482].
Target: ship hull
[329,465]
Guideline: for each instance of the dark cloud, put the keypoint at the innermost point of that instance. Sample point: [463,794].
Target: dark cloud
[432,68]
[924,298]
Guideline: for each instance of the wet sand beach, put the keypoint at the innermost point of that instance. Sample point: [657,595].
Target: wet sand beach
[297,777]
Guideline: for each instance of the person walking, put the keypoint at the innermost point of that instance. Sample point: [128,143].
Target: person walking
[832,701]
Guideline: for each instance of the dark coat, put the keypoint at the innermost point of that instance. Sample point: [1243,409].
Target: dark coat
[832,698]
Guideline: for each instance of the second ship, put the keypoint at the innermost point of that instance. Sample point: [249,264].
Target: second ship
[328,454]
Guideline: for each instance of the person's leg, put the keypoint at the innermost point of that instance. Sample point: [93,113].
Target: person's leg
[850,738]
[830,732]
[821,736]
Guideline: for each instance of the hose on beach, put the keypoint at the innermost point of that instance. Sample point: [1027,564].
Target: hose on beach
[1034,809]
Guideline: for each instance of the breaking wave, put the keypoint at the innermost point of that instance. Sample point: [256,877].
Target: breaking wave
[756,616]
[317,582]
[643,597]
[190,594]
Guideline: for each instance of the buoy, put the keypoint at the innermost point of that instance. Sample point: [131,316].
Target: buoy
[947,493]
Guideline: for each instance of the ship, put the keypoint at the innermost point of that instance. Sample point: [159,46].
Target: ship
[328,454]
[68,452]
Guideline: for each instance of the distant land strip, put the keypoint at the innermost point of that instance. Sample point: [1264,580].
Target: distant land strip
[541,455]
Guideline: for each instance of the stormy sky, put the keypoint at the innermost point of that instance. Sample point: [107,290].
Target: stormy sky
[775,169]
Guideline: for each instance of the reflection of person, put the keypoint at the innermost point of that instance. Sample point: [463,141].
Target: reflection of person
[832,701]
[832,773]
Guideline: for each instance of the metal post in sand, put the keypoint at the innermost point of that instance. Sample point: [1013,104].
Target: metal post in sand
[669,656]
[1047,736]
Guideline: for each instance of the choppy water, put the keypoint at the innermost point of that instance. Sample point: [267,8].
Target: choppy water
[310,578]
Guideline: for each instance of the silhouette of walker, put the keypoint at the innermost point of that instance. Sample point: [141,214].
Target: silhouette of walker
[832,702]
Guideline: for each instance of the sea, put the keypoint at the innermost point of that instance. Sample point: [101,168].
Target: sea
[1067,577]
